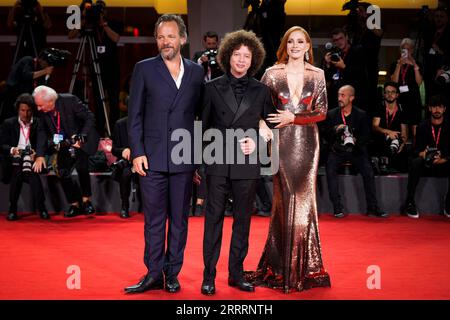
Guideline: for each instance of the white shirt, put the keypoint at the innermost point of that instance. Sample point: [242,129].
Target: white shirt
[180,75]
[24,132]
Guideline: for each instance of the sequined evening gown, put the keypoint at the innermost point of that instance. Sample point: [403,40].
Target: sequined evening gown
[292,258]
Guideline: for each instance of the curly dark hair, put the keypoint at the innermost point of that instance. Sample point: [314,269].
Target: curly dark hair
[233,41]
[25,98]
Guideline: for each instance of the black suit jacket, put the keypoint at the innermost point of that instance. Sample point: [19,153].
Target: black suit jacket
[221,112]
[76,118]
[10,134]
[120,137]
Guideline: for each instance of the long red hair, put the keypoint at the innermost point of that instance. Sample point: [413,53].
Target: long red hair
[282,49]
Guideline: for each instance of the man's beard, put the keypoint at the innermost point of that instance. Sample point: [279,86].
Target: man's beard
[390,101]
[172,54]
[436,115]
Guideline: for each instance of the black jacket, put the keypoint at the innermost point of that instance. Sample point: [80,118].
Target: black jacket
[120,138]
[220,111]
[9,138]
[357,120]
[76,118]
[424,138]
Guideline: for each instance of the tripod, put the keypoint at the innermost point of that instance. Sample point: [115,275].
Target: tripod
[88,37]
[26,26]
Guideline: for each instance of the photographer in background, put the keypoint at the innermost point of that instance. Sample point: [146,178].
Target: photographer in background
[207,58]
[431,153]
[345,64]
[122,172]
[348,133]
[390,133]
[106,33]
[30,72]
[23,144]
[70,127]
[28,18]
[408,74]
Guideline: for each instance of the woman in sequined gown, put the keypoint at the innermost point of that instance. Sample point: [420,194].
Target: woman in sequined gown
[292,258]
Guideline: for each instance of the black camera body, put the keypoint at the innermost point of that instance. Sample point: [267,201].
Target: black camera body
[394,145]
[92,16]
[120,164]
[55,57]
[212,55]
[334,51]
[69,142]
[118,168]
[345,138]
[430,155]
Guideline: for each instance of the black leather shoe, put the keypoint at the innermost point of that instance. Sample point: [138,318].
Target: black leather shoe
[73,212]
[88,208]
[241,285]
[208,288]
[339,212]
[172,285]
[377,212]
[12,216]
[147,283]
[124,213]
[44,215]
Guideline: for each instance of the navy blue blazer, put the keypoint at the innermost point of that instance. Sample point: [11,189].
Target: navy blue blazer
[157,107]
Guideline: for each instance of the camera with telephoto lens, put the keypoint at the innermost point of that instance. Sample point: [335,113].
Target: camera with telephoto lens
[69,142]
[430,155]
[55,57]
[211,54]
[26,159]
[334,51]
[394,144]
[346,138]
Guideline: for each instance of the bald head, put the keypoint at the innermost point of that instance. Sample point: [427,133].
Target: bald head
[349,89]
[346,95]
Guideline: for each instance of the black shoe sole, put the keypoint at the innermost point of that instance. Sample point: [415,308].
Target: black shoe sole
[152,288]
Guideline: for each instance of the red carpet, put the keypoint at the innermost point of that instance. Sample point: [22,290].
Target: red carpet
[413,257]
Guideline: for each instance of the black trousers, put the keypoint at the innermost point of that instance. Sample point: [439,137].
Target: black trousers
[15,188]
[243,193]
[71,189]
[362,165]
[417,169]
[127,177]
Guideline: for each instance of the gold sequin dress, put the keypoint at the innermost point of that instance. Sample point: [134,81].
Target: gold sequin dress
[292,258]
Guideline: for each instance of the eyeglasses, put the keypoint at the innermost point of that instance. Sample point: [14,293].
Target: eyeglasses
[390,92]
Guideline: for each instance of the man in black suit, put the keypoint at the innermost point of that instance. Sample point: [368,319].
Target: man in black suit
[122,168]
[233,103]
[348,133]
[17,134]
[165,93]
[66,118]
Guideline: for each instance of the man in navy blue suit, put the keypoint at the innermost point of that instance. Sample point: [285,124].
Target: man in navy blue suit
[165,94]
